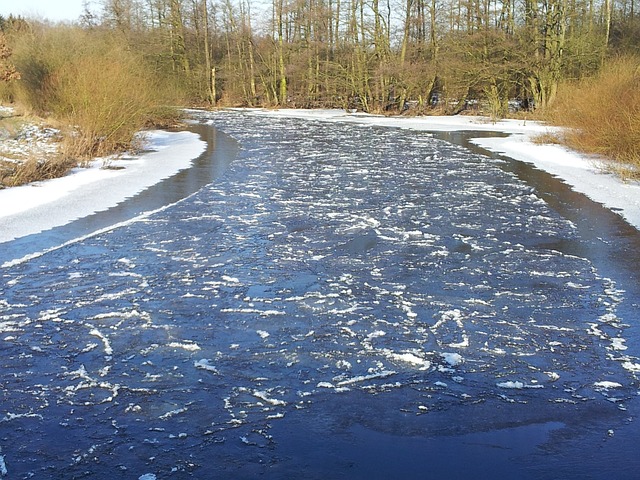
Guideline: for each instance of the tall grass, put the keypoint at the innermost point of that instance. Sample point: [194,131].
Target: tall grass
[92,83]
[602,114]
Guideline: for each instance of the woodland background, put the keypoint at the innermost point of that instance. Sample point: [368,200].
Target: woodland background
[572,62]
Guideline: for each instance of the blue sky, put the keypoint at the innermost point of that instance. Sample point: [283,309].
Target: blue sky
[54,10]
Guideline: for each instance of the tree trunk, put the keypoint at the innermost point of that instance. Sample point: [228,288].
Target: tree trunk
[282,97]
[211,72]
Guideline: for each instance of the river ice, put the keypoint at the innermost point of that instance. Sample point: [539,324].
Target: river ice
[341,274]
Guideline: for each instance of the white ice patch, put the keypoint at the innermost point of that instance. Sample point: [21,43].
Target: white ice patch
[618,344]
[632,367]
[411,359]
[511,384]
[364,378]
[262,395]
[173,413]
[14,416]
[253,311]
[606,385]
[191,347]
[107,346]
[204,364]
[517,385]
[325,385]
[453,359]
[553,376]
[229,279]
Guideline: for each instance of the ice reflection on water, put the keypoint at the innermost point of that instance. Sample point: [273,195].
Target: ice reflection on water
[334,276]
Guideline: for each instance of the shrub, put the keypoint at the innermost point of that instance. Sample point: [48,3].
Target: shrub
[91,82]
[602,113]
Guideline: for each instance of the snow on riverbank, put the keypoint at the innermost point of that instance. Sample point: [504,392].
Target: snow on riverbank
[581,172]
[43,205]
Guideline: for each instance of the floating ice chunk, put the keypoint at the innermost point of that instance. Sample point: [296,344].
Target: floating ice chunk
[511,384]
[123,315]
[204,364]
[3,466]
[577,286]
[262,333]
[275,416]
[364,378]
[464,343]
[263,313]
[262,395]
[555,328]
[325,385]
[611,318]
[632,367]
[595,331]
[453,359]
[343,365]
[553,376]
[376,334]
[107,346]
[229,279]
[173,413]
[449,315]
[132,407]
[412,359]
[441,384]
[606,385]
[13,416]
[477,301]
[517,385]
[192,347]
[410,313]
[618,344]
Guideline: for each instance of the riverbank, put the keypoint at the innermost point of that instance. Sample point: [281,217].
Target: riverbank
[39,206]
[43,205]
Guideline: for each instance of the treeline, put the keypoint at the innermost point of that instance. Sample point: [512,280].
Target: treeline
[119,65]
[375,55]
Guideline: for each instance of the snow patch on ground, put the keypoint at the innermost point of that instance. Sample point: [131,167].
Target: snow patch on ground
[43,205]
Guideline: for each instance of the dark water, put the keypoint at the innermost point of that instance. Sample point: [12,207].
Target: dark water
[340,301]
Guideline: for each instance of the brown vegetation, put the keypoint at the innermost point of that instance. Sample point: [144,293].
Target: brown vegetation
[8,71]
[602,114]
[91,82]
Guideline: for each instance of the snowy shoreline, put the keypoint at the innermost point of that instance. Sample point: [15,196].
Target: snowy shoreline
[43,205]
[39,206]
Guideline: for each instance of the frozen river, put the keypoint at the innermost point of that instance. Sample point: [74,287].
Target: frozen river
[339,301]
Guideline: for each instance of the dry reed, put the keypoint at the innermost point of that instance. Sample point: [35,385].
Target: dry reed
[602,114]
